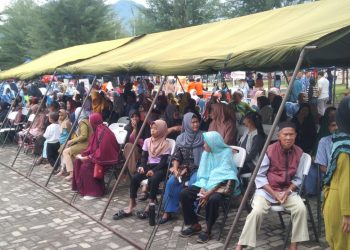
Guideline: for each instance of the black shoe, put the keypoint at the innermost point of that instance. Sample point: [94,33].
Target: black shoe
[188,232]
[203,237]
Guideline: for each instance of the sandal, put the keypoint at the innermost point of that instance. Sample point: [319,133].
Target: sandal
[165,220]
[143,197]
[142,215]
[121,214]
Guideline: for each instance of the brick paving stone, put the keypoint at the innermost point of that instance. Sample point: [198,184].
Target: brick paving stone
[24,205]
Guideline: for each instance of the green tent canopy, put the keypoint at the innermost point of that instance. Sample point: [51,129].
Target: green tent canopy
[265,41]
[48,63]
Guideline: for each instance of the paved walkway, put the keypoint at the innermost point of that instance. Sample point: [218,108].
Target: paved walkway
[32,218]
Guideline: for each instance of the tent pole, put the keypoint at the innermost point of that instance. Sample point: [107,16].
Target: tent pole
[285,76]
[36,116]
[262,154]
[334,83]
[177,79]
[132,150]
[71,131]
[11,107]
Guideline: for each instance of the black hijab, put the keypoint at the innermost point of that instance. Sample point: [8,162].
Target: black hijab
[343,115]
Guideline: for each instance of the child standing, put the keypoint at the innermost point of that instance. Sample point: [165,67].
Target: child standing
[52,135]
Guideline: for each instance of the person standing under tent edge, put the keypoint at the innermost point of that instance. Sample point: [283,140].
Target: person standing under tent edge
[278,179]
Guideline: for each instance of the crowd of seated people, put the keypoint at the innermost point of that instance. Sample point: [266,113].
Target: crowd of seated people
[203,130]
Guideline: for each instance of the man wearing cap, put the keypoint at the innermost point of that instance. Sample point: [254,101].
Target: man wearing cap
[277,182]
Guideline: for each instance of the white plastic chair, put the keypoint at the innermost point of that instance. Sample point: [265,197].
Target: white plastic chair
[172,145]
[119,132]
[25,111]
[124,119]
[239,156]
[31,118]
[43,91]
[11,117]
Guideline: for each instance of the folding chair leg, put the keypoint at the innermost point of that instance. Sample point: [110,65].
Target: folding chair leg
[281,220]
[226,210]
[7,135]
[318,193]
[311,219]
[111,176]
[289,230]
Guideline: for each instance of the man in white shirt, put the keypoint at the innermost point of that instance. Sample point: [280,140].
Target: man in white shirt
[323,88]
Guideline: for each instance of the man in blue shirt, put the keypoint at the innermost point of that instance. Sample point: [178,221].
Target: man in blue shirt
[297,87]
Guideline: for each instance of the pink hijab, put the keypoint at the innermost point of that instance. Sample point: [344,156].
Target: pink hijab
[158,145]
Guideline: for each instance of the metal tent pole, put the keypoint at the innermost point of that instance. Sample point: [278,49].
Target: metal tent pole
[334,83]
[131,151]
[262,154]
[182,87]
[36,116]
[70,132]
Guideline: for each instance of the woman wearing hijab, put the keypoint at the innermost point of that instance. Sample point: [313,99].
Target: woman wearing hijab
[99,103]
[252,140]
[265,110]
[186,158]
[194,95]
[71,107]
[65,127]
[185,100]
[78,144]
[133,129]
[222,121]
[103,149]
[324,123]
[216,169]
[155,153]
[305,127]
[173,121]
[336,208]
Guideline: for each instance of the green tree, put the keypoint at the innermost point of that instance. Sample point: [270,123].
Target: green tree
[172,14]
[234,8]
[14,43]
[64,23]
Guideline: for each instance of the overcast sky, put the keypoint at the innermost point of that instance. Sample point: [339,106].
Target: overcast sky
[4,3]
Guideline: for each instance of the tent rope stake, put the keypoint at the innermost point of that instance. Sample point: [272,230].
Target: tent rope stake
[267,142]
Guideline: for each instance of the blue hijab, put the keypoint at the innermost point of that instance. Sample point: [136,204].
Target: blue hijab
[216,166]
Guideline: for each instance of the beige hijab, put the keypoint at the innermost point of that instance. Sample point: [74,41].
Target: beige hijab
[158,145]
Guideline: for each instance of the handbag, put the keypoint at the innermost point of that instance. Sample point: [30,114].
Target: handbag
[226,188]
[98,169]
